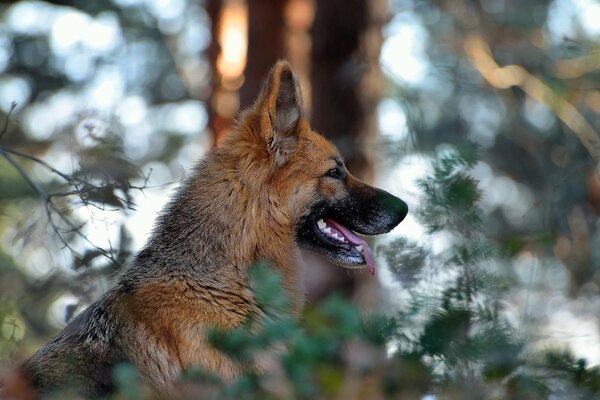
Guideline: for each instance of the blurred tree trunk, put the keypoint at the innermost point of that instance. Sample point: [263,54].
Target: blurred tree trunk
[266,45]
[343,90]
[215,122]
[345,80]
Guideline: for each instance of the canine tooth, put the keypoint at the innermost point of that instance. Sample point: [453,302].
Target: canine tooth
[327,230]
[360,248]
[321,224]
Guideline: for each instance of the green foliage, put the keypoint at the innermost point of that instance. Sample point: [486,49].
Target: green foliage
[453,342]
[450,195]
[127,381]
[405,258]
[11,328]
[571,375]
[313,345]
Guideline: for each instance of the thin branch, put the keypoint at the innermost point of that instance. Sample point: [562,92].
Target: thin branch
[13,105]
[51,207]
[480,55]
[66,177]
[73,180]
[575,68]
[82,189]
[24,175]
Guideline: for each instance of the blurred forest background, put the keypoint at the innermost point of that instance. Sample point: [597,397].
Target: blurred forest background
[481,114]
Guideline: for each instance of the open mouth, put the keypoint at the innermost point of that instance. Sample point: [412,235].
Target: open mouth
[329,228]
[347,249]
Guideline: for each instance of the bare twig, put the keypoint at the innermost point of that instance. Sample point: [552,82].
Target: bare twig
[480,55]
[23,174]
[13,105]
[68,178]
[51,208]
[83,188]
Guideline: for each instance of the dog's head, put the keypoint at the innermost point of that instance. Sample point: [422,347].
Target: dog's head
[323,202]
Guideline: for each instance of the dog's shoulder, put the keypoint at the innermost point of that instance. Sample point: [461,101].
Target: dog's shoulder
[86,348]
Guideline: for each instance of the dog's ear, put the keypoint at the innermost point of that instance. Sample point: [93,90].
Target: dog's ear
[279,106]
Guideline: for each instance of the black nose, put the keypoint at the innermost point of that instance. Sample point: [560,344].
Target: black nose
[392,209]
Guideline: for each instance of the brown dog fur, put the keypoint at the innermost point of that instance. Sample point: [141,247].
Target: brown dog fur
[238,207]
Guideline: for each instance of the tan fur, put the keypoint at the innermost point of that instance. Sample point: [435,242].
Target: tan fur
[239,207]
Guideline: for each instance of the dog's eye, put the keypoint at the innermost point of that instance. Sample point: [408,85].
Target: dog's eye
[335,173]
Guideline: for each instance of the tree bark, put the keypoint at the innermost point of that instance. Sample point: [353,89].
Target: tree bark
[336,73]
[345,85]
[266,44]
[215,122]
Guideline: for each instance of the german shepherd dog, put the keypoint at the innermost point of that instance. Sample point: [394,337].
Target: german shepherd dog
[273,187]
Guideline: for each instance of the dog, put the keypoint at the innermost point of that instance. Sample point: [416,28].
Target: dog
[273,187]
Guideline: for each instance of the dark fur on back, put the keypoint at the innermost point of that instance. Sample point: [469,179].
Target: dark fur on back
[86,347]
[189,256]
[245,202]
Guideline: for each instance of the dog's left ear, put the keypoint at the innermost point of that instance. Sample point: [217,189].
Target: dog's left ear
[280,108]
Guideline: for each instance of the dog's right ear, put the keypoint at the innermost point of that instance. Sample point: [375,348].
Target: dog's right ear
[279,107]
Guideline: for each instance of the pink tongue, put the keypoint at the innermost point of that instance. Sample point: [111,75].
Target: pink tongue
[355,240]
